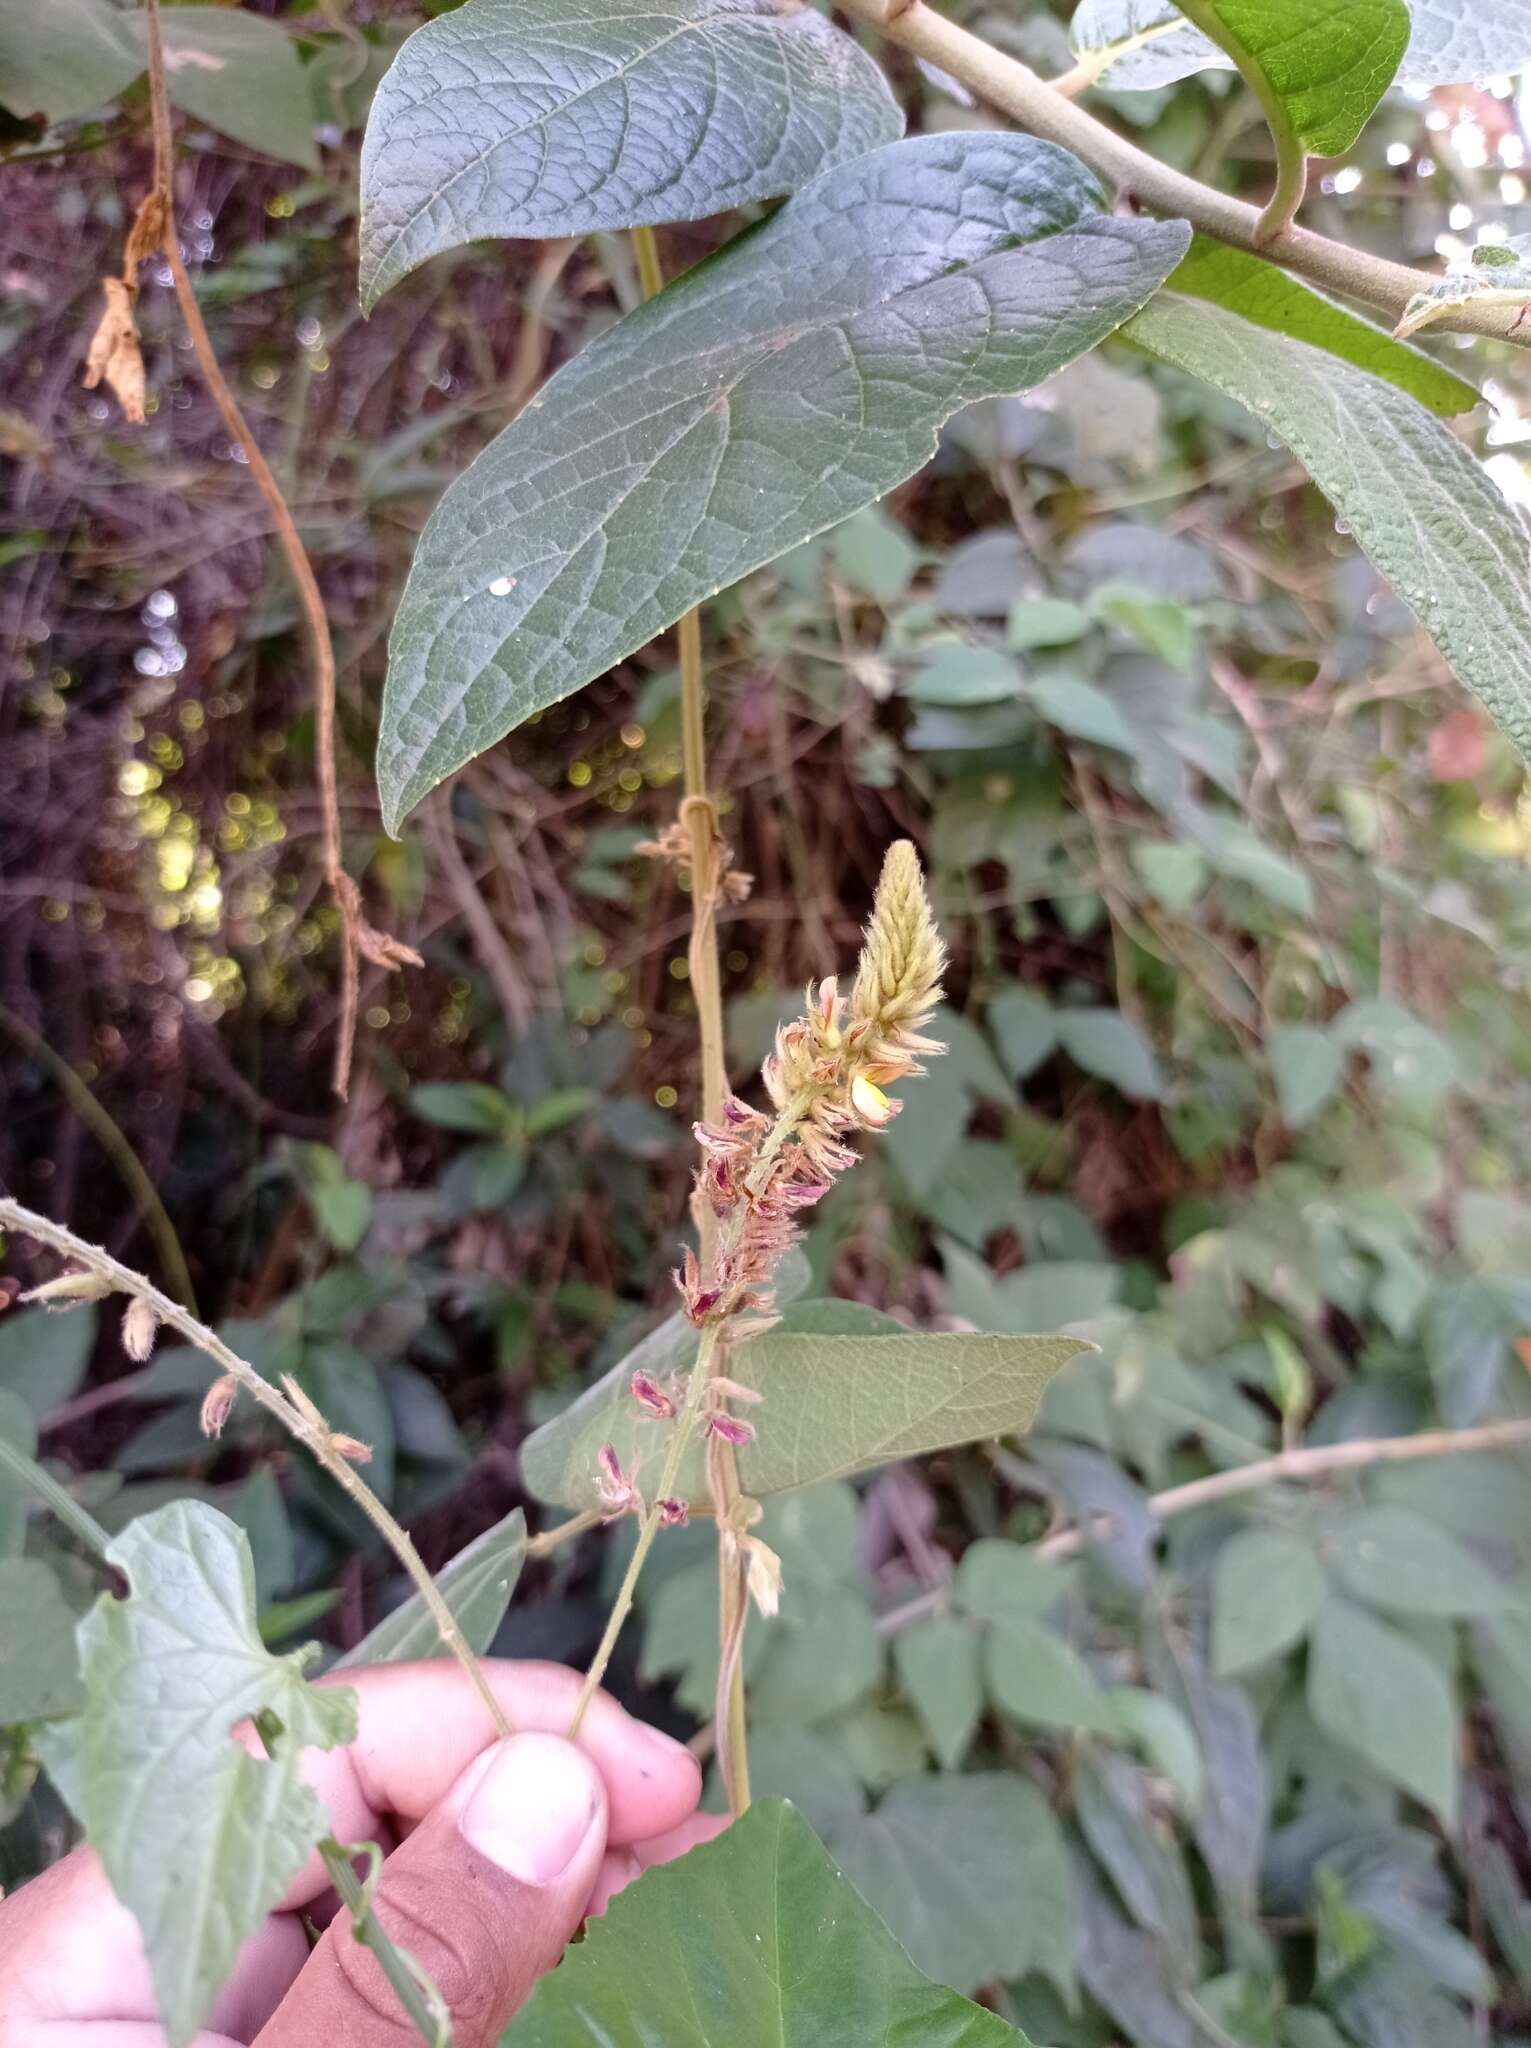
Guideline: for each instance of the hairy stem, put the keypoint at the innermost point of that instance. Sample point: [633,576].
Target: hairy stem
[312,1433]
[358,939]
[1016,90]
[622,1606]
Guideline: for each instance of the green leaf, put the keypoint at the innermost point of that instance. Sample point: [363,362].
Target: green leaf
[1113,1048]
[470,1106]
[957,674]
[764,397]
[1396,1559]
[970,1874]
[1038,1678]
[752,1941]
[1026,1025]
[18,1431]
[997,1579]
[242,75]
[1457,41]
[1379,1695]
[1270,298]
[1142,1858]
[199,1838]
[941,1668]
[560,117]
[1307,1067]
[1165,1737]
[1173,873]
[67,58]
[44,1681]
[477,1586]
[341,1207]
[873,554]
[1317,67]
[823,1656]
[44,1354]
[1081,709]
[1267,1589]
[1137,45]
[829,1406]
[1425,512]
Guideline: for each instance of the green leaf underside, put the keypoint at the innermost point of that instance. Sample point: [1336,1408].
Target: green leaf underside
[1317,67]
[829,1406]
[752,1941]
[767,395]
[1268,297]
[557,117]
[199,1838]
[38,1672]
[237,72]
[1137,45]
[477,1586]
[1419,505]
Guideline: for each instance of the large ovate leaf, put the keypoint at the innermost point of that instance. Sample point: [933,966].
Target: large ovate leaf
[753,1941]
[1261,293]
[970,1873]
[1135,45]
[1396,1559]
[1267,1588]
[65,59]
[557,117]
[199,1837]
[829,1406]
[767,395]
[476,1586]
[1375,1692]
[1417,502]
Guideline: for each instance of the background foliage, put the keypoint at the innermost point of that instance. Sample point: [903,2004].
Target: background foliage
[1239,1082]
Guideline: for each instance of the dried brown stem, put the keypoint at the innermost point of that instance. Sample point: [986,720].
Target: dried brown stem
[359,940]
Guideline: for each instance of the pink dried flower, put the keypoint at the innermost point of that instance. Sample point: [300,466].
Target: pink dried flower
[673,1514]
[616,1490]
[651,1397]
[729,1427]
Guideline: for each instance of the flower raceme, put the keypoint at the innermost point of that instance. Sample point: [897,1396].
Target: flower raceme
[826,1079]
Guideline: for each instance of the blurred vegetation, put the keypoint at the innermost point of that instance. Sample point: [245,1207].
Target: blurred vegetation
[1239,1080]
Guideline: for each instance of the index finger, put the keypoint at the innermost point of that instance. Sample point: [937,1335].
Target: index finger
[419,1726]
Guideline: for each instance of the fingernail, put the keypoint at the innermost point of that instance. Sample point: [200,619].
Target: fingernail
[533,1808]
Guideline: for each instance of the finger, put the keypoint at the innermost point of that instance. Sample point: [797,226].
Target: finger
[485,1895]
[113,2034]
[70,1953]
[618,1869]
[696,1829]
[652,1782]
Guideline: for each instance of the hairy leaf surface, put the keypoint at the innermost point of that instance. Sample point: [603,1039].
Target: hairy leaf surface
[753,1941]
[767,395]
[1417,502]
[556,117]
[829,1406]
[199,1837]
[477,1586]
[1136,45]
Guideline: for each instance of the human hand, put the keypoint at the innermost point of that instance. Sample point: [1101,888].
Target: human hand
[502,1848]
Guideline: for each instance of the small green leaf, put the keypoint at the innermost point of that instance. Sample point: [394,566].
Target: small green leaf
[1419,505]
[1038,1678]
[873,554]
[764,397]
[970,1874]
[955,674]
[1112,1047]
[996,1580]
[1396,1559]
[1307,1066]
[39,1675]
[44,1354]
[1173,872]
[1081,709]
[199,1838]
[829,1406]
[470,1106]
[1026,1026]
[1270,298]
[341,1207]
[1158,624]
[477,1586]
[1045,622]
[940,1665]
[561,117]
[1267,1589]
[1165,1737]
[752,1941]
[1376,1693]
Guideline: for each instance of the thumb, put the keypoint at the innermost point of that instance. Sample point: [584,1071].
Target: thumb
[485,1895]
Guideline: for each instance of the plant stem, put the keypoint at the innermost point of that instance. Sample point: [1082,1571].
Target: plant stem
[622,1606]
[309,1430]
[48,1490]
[109,1135]
[419,1997]
[1014,89]
[650,268]
[358,939]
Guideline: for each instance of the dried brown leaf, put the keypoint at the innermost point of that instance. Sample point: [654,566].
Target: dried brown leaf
[114,354]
